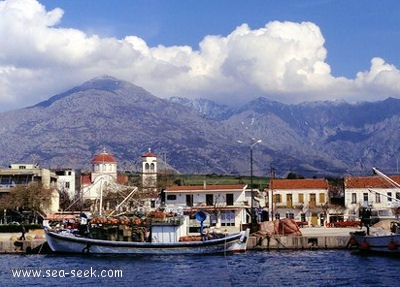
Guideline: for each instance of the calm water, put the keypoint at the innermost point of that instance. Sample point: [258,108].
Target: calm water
[254,268]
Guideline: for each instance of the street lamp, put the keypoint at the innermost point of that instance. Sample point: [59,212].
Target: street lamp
[253,215]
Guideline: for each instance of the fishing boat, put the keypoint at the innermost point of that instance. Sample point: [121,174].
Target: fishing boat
[377,240]
[159,236]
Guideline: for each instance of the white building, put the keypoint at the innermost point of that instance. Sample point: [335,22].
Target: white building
[66,181]
[225,204]
[371,192]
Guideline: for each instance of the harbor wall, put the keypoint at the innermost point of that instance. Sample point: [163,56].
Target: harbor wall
[11,242]
[299,242]
[311,238]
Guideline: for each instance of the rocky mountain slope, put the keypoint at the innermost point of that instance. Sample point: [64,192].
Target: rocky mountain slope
[312,139]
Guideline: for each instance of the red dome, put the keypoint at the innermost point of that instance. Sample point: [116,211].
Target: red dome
[104,157]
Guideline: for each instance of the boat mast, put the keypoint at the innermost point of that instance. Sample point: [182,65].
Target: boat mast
[101,197]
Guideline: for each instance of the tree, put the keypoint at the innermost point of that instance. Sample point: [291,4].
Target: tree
[33,197]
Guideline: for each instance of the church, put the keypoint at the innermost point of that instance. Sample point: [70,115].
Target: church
[104,182]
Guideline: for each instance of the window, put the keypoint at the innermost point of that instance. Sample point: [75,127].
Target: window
[354,197]
[301,198]
[277,198]
[389,196]
[189,199]
[322,198]
[365,197]
[171,197]
[398,195]
[289,200]
[229,199]
[377,198]
[209,199]
[313,199]
[228,218]
[67,184]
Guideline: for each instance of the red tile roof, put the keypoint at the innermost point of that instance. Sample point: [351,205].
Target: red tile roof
[371,181]
[299,184]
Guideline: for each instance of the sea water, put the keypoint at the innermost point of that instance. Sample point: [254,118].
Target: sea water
[253,268]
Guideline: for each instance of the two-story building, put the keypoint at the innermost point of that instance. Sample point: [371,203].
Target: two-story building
[304,200]
[227,206]
[24,174]
[371,192]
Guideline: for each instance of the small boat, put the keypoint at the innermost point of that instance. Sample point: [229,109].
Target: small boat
[163,236]
[378,241]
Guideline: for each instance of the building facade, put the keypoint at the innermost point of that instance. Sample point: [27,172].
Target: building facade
[303,200]
[373,193]
[227,206]
[66,181]
[24,174]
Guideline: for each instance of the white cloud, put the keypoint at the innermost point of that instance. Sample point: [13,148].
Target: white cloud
[282,60]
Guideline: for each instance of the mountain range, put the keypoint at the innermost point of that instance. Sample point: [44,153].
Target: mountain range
[201,136]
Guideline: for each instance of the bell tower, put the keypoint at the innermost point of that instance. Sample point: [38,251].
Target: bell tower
[149,170]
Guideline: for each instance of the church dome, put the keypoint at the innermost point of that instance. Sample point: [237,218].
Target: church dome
[103,157]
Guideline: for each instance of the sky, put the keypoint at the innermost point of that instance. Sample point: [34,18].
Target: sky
[228,51]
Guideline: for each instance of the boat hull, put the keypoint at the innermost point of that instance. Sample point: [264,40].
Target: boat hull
[69,243]
[384,244]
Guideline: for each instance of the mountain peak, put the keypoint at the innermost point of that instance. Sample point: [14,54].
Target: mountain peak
[104,83]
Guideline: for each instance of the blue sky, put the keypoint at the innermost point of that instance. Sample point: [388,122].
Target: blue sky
[227,50]
[355,31]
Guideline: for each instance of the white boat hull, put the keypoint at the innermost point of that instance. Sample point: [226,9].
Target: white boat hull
[69,243]
[385,244]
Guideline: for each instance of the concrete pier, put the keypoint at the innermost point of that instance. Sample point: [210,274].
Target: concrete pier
[10,242]
[311,238]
